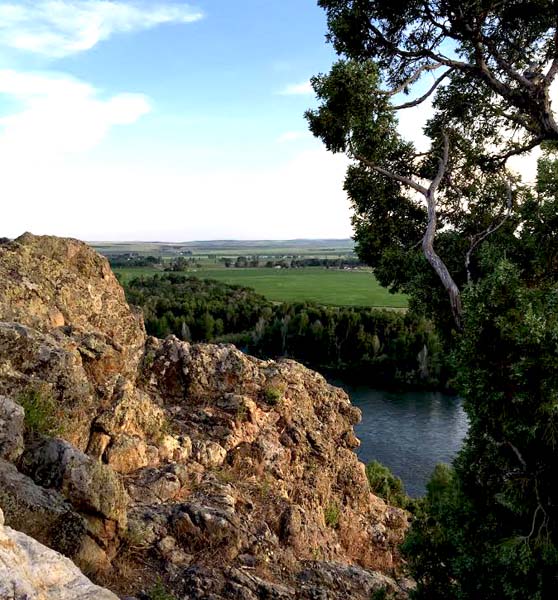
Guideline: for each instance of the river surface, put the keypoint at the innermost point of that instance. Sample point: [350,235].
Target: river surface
[409,432]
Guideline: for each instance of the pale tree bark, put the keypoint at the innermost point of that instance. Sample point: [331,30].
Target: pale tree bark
[429,252]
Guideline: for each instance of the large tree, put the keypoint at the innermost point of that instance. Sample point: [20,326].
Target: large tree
[455,222]
[492,101]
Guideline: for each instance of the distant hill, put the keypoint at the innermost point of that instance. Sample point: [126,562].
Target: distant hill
[223,246]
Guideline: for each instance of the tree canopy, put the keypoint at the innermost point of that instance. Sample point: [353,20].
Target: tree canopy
[492,101]
[456,222]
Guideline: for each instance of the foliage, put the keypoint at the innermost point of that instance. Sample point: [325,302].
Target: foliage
[502,53]
[491,529]
[385,484]
[160,592]
[40,412]
[377,346]
[488,527]
[131,259]
[273,395]
[332,514]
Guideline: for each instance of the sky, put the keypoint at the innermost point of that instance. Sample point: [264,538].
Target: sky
[168,120]
[165,120]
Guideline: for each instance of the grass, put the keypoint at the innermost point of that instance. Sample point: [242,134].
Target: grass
[332,513]
[332,287]
[40,412]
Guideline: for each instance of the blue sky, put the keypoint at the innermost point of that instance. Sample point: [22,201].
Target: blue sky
[169,120]
[165,120]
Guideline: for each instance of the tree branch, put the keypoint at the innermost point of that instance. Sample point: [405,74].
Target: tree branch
[424,96]
[412,79]
[400,178]
[428,239]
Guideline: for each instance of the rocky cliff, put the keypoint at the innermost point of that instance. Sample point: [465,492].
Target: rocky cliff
[159,463]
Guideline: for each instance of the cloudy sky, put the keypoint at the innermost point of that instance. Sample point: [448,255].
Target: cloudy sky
[164,120]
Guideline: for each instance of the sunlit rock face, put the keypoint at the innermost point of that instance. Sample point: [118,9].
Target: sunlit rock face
[31,571]
[192,465]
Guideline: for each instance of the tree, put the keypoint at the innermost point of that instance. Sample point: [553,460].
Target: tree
[490,105]
[507,51]
[489,527]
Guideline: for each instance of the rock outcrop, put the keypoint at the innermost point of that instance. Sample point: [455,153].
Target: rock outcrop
[31,571]
[221,475]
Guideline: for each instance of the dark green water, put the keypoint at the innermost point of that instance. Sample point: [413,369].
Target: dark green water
[409,432]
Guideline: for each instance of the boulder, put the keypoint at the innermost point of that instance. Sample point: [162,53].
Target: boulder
[48,369]
[41,513]
[92,488]
[31,571]
[52,283]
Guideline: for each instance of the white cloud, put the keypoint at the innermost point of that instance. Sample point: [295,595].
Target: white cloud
[302,197]
[293,136]
[297,89]
[57,28]
[60,115]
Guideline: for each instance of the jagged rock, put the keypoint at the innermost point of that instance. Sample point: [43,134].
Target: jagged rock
[127,454]
[50,367]
[151,486]
[334,581]
[93,489]
[318,581]
[221,454]
[295,456]
[208,453]
[11,429]
[49,283]
[132,413]
[41,513]
[30,571]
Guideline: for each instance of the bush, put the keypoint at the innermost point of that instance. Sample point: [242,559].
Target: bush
[40,412]
[385,484]
[331,515]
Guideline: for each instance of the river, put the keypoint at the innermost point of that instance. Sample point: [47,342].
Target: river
[409,432]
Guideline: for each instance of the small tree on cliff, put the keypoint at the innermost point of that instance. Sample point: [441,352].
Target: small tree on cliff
[455,223]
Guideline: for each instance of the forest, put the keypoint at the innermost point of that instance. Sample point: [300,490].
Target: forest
[378,347]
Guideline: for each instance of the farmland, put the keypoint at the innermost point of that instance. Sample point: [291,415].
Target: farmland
[327,286]
[323,286]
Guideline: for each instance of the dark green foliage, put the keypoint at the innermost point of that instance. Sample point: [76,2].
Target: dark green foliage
[491,529]
[381,347]
[131,259]
[498,49]
[385,484]
[488,527]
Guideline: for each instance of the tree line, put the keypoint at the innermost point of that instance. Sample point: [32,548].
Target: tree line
[379,347]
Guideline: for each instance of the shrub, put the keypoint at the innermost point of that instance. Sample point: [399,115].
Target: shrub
[331,515]
[273,395]
[160,592]
[385,484]
[40,412]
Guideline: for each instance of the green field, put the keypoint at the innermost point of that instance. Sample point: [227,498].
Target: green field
[315,284]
